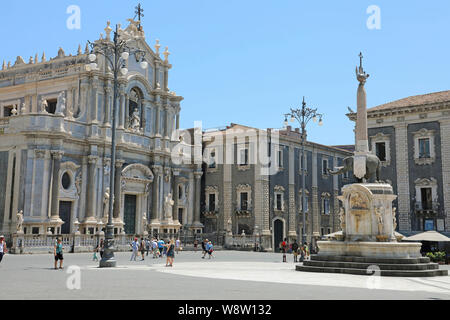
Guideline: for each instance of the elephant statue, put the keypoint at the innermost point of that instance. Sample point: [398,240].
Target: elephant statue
[373,168]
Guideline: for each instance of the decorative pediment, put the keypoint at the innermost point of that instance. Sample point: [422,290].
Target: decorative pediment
[423,133]
[279,189]
[425,182]
[137,172]
[211,189]
[326,195]
[244,187]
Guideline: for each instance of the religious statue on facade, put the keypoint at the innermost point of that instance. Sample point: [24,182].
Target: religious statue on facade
[106,203]
[44,105]
[168,204]
[19,221]
[135,121]
[342,218]
[144,223]
[61,104]
[394,218]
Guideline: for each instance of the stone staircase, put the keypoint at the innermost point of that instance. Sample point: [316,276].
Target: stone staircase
[411,267]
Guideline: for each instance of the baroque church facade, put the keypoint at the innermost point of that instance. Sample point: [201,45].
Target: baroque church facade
[55,145]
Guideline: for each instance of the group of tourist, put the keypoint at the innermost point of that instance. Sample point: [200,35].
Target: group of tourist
[158,247]
[295,249]
[207,248]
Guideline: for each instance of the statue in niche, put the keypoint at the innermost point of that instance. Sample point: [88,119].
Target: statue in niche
[19,221]
[44,105]
[135,121]
[61,104]
[394,218]
[168,204]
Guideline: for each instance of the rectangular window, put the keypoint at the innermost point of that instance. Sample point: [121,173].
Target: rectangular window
[212,202]
[326,206]
[279,202]
[280,159]
[244,201]
[306,203]
[212,159]
[51,106]
[424,148]
[7,111]
[328,231]
[322,232]
[381,150]
[324,166]
[426,197]
[35,230]
[243,157]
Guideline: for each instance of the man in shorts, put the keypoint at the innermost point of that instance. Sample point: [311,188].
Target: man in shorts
[58,253]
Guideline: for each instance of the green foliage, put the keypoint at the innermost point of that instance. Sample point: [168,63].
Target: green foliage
[436,256]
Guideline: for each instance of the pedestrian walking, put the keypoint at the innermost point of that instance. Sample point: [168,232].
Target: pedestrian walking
[161,247]
[295,250]
[204,249]
[195,245]
[58,253]
[283,247]
[3,248]
[147,246]
[165,248]
[210,249]
[95,258]
[142,248]
[101,248]
[302,253]
[306,251]
[134,247]
[170,254]
[155,249]
[178,246]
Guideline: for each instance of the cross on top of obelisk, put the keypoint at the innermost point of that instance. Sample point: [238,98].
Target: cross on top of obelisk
[139,13]
[360,60]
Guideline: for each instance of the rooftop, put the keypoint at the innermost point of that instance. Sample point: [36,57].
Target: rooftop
[419,100]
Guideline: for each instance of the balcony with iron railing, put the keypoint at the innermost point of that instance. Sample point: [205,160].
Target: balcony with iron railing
[429,207]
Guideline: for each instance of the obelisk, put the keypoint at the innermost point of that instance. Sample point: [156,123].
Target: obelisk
[362,141]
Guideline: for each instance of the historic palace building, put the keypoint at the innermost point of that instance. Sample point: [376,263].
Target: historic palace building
[253,185]
[411,137]
[55,145]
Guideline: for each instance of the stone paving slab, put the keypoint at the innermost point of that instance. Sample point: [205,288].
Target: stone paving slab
[230,275]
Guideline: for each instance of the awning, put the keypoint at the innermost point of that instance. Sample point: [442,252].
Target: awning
[428,236]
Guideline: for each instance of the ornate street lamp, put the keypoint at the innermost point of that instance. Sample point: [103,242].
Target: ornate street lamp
[116,54]
[303,116]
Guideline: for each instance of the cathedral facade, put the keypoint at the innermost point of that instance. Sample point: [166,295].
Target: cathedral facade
[55,145]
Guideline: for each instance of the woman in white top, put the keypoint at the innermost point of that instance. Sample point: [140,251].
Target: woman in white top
[3,249]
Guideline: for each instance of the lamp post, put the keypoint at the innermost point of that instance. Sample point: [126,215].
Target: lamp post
[116,53]
[303,116]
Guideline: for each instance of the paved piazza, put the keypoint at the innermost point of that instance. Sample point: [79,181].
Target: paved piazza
[230,275]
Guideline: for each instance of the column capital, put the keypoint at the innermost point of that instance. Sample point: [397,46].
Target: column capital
[198,174]
[57,154]
[92,159]
[119,163]
[40,153]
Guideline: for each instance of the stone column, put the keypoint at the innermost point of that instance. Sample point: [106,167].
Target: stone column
[91,188]
[292,234]
[315,227]
[54,211]
[157,118]
[445,153]
[108,106]
[166,121]
[178,121]
[401,151]
[336,222]
[197,191]
[157,171]
[118,189]
[176,196]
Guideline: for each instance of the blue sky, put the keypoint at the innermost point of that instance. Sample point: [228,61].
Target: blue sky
[249,61]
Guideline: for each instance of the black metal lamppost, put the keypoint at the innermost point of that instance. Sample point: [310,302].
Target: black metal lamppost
[116,54]
[303,116]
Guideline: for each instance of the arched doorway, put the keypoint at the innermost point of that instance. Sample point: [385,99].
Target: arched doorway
[278,233]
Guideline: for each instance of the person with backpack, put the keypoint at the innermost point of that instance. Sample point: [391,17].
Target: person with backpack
[3,248]
[283,247]
[142,248]
[295,250]
[58,253]
[170,254]
[134,247]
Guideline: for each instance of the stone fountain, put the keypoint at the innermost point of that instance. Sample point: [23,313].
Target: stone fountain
[368,219]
